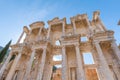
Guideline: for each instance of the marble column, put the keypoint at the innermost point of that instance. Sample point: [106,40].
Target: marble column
[96,60]
[64,64]
[20,37]
[13,67]
[116,50]
[39,34]
[49,29]
[116,70]
[74,27]
[42,65]
[29,65]
[80,69]
[103,63]
[63,29]
[5,64]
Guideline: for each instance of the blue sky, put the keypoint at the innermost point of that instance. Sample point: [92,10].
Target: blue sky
[14,14]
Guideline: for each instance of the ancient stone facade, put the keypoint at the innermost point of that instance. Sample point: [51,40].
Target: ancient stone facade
[33,59]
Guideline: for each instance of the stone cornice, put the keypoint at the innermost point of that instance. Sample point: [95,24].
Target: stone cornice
[56,20]
[79,17]
[106,34]
[37,24]
[68,37]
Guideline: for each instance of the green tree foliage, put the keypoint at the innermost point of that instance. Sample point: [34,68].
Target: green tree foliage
[3,52]
[54,68]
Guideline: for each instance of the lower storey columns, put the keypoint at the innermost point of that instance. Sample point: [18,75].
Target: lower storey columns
[29,65]
[5,64]
[64,64]
[116,50]
[103,63]
[12,70]
[41,66]
[80,70]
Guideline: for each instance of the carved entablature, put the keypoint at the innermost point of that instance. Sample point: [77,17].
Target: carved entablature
[26,49]
[22,48]
[37,25]
[79,17]
[57,50]
[71,37]
[105,44]
[17,47]
[56,20]
[103,36]
[85,46]
[39,44]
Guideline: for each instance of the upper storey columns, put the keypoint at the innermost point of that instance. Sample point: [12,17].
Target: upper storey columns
[79,18]
[56,21]
[37,25]
[20,37]
[26,31]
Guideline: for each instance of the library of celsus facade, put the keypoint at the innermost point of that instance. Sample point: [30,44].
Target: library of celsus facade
[87,51]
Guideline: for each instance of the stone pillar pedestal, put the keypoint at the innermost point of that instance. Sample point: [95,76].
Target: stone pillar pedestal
[103,63]
[5,64]
[64,64]
[80,69]
[13,67]
[42,64]
[116,50]
[29,65]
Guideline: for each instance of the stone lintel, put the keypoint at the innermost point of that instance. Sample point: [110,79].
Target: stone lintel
[107,35]
[91,66]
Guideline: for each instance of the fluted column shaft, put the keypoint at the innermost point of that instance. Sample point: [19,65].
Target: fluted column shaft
[42,64]
[29,65]
[63,29]
[39,34]
[96,60]
[80,69]
[5,64]
[49,29]
[74,27]
[64,64]
[13,67]
[116,50]
[103,63]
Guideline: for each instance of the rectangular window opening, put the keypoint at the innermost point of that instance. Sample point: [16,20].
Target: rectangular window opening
[57,58]
[84,39]
[88,58]
[57,43]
